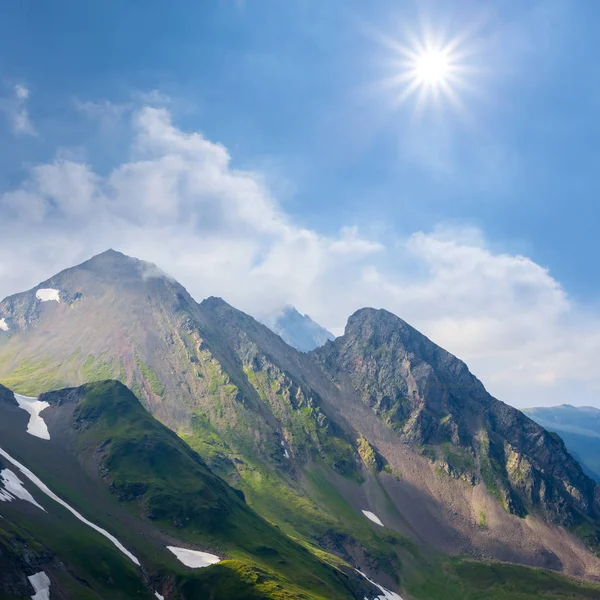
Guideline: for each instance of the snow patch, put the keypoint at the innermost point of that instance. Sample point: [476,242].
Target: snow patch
[159,596]
[3,325]
[36,426]
[41,584]
[372,517]
[13,489]
[387,595]
[48,295]
[285,452]
[44,488]
[194,558]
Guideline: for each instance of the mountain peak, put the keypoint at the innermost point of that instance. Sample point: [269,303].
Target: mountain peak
[114,265]
[379,328]
[214,302]
[111,258]
[112,252]
[373,317]
[431,399]
[296,329]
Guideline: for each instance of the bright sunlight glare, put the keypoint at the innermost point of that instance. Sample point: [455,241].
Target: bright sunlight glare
[432,70]
[432,67]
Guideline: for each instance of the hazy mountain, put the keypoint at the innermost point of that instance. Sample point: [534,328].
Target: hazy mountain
[378,447]
[297,330]
[579,427]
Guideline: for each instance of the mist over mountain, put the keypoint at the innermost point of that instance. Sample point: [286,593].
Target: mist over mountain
[378,451]
[297,330]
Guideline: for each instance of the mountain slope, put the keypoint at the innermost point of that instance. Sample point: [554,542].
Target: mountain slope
[297,330]
[429,400]
[108,458]
[579,427]
[121,318]
[378,426]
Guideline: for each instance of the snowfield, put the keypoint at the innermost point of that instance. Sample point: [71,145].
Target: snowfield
[44,488]
[3,325]
[48,295]
[36,426]
[13,489]
[41,584]
[372,517]
[387,595]
[159,596]
[194,558]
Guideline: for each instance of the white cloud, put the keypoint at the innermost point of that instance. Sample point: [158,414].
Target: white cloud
[180,203]
[15,109]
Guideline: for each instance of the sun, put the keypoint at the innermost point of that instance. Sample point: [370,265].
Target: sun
[429,69]
[432,68]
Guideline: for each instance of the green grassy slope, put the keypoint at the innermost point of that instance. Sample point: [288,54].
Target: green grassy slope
[153,471]
[470,580]
[80,563]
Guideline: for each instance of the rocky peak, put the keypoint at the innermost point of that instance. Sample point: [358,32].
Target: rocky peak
[400,373]
[432,400]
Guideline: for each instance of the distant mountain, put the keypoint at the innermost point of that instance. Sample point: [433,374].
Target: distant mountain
[579,427]
[379,449]
[297,330]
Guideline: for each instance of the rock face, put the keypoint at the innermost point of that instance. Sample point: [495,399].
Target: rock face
[380,419]
[579,427]
[432,400]
[297,330]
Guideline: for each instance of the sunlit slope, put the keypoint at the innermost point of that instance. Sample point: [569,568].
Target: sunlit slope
[379,421]
[109,459]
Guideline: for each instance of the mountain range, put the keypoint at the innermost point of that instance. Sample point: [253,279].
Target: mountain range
[377,451]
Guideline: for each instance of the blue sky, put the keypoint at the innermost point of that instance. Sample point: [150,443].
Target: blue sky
[294,91]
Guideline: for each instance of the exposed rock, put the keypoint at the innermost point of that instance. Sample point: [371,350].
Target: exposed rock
[433,401]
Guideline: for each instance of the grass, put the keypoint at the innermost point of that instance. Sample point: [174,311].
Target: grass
[310,431]
[151,377]
[459,460]
[90,557]
[96,369]
[32,377]
[367,454]
[156,473]
[309,511]
[482,520]
[460,579]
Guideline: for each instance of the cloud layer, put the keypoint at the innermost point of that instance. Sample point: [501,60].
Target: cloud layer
[178,202]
